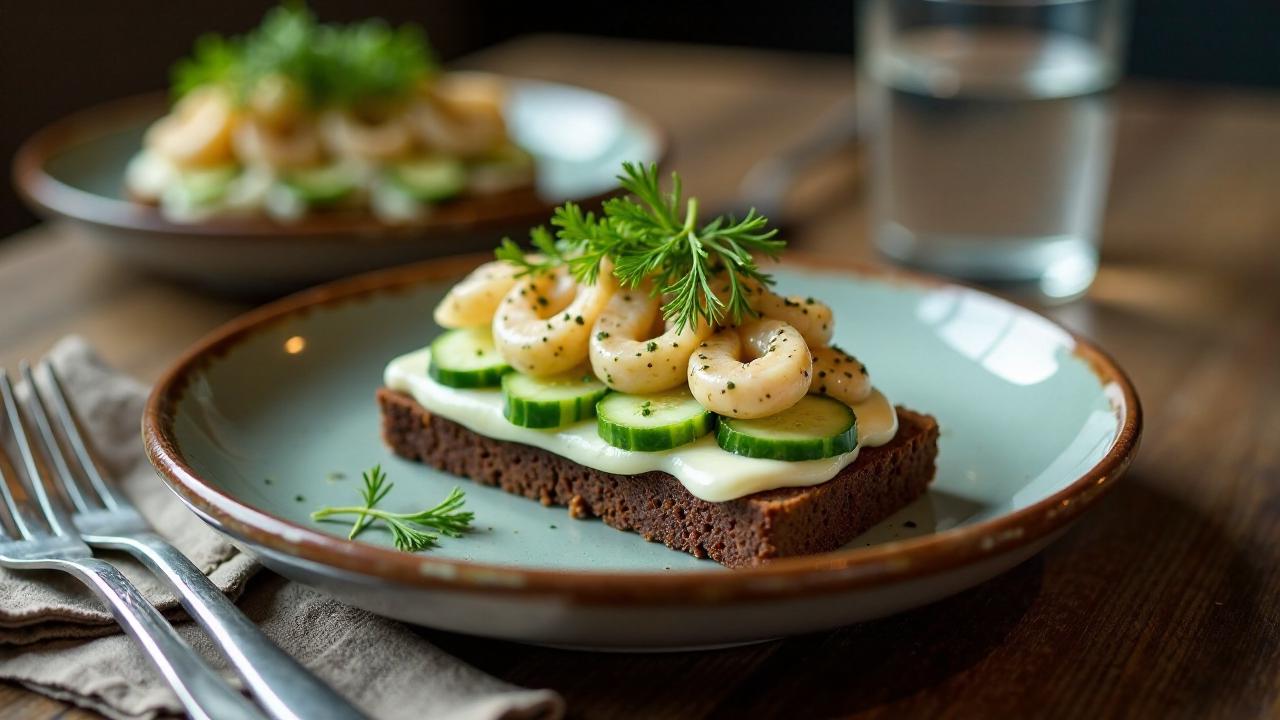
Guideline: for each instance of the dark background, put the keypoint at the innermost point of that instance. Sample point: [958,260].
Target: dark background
[57,56]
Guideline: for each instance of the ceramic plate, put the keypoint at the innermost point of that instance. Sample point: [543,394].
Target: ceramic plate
[273,416]
[74,169]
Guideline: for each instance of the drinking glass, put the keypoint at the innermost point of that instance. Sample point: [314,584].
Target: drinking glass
[990,130]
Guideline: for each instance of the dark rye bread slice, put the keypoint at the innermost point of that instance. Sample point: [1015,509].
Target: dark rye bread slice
[737,533]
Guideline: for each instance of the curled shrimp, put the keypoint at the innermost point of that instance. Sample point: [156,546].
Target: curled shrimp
[812,318]
[504,168]
[475,299]
[347,135]
[775,376]
[282,148]
[276,101]
[543,324]
[461,114]
[627,355]
[198,131]
[840,375]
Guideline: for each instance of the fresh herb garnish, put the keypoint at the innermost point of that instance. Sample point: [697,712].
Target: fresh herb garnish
[214,60]
[656,235]
[366,64]
[548,256]
[408,530]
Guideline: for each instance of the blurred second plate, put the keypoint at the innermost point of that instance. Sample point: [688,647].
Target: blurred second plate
[75,167]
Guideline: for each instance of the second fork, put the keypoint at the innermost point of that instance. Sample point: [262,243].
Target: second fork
[45,539]
[107,520]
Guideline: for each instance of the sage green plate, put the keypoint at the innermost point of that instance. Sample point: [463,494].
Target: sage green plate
[273,416]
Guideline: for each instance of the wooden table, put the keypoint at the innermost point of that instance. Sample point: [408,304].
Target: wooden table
[1163,602]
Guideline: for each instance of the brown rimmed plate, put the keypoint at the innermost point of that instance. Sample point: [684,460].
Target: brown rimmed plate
[273,416]
[74,169]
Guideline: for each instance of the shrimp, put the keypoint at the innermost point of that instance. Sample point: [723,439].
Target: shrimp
[276,101]
[775,378]
[347,135]
[543,325]
[500,170]
[475,299]
[812,318]
[840,375]
[198,131]
[461,115]
[295,146]
[626,355]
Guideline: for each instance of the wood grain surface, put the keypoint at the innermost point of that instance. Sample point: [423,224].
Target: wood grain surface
[1163,602]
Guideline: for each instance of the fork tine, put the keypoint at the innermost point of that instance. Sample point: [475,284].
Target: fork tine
[25,522]
[52,448]
[11,510]
[59,522]
[71,432]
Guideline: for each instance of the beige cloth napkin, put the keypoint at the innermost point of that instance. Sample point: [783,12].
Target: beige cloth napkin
[57,639]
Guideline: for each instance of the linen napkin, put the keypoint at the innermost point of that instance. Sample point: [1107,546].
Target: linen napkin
[57,639]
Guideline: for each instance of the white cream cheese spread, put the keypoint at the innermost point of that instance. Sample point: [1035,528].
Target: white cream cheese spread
[706,470]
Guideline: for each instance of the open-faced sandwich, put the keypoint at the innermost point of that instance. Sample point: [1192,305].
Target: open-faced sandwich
[298,117]
[639,367]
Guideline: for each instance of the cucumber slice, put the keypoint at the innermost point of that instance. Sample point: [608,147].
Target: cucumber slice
[323,185]
[649,423]
[551,402]
[202,188]
[814,428]
[466,358]
[429,179]
[197,195]
[503,169]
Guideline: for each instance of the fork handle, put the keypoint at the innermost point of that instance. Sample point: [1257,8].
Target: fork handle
[202,692]
[284,688]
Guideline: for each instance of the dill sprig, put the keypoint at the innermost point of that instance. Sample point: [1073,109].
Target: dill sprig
[409,531]
[362,64]
[656,235]
[549,254]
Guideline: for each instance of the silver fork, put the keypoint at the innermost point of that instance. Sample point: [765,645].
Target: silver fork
[107,520]
[45,539]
